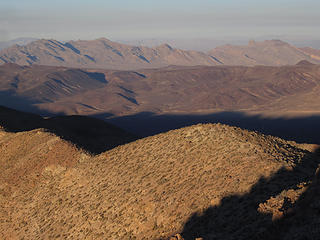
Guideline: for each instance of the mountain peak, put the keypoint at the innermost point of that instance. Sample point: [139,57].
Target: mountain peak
[304,63]
[276,42]
[103,39]
[165,46]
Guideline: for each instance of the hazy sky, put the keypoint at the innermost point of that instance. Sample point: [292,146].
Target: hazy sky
[134,19]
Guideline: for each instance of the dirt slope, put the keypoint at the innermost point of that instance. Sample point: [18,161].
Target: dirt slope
[26,159]
[158,186]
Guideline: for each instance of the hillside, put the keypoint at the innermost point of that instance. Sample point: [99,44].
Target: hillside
[37,84]
[105,54]
[52,90]
[210,181]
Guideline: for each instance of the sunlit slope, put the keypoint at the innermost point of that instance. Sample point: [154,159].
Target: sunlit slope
[149,189]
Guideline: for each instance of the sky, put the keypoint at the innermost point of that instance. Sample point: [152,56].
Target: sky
[146,19]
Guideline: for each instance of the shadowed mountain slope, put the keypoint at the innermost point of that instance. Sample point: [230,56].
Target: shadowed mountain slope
[46,84]
[90,134]
[266,210]
[301,129]
[302,222]
[158,186]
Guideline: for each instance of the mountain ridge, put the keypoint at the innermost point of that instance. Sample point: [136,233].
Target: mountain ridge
[106,54]
[100,53]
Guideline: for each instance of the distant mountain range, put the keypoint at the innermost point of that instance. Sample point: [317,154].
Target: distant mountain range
[105,54]
[269,52]
[101,53]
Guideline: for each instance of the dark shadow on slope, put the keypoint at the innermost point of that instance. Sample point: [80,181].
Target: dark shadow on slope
[70,46]
[16,121]
[126,90]
[299,129]
[97,76]
[304,222]
[11,100]
[90,134]
[140,74]
[94,135]
[128,98]
[90,58]
[237,216]
[216,59]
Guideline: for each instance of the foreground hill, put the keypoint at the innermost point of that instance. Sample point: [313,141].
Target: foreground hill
[106,54]
[210,181]
[172,89]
